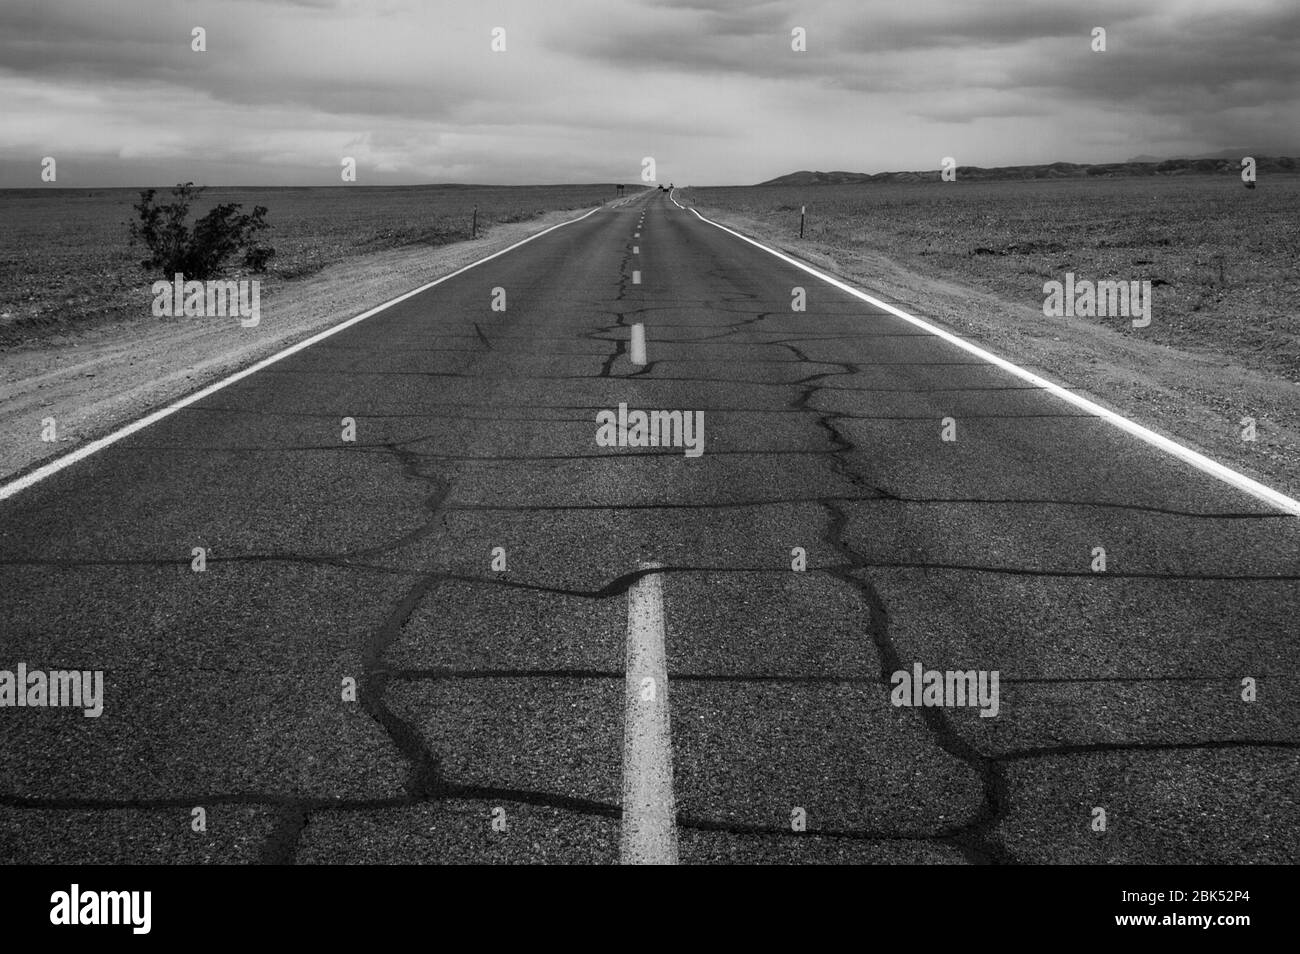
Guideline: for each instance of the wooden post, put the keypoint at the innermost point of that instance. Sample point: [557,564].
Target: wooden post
[802,210]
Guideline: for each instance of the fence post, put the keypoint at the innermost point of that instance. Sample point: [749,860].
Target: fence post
[802,210]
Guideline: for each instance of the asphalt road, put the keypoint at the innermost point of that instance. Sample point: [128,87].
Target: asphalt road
[481,689]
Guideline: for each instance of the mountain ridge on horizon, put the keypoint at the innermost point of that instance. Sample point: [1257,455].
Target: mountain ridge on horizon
[1220,163]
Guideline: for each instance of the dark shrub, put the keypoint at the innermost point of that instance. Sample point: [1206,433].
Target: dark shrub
[203,251]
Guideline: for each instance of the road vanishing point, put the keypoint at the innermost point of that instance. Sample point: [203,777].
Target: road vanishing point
[477,632]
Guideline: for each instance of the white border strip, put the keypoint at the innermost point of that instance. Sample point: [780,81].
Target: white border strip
[1186,454]
[53,467]
[649,835]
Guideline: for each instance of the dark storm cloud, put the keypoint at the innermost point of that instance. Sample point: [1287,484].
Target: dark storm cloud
[1151,50]
[145,44]
[692,37]
[937,27]
[755,39]
[1219,54]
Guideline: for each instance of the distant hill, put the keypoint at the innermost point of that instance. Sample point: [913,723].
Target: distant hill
[1224,154]
[1056,170]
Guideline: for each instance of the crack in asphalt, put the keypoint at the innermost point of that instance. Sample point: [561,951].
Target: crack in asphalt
[974,837]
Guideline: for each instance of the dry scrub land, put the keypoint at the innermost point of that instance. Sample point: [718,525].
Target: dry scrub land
[1224,262]
[78,341]
[65,261]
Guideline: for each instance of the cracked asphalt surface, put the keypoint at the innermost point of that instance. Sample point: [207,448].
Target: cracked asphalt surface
[481,690]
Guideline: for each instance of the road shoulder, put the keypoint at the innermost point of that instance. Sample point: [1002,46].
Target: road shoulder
[114,374]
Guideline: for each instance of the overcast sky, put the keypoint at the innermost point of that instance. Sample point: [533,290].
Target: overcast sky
[586,88]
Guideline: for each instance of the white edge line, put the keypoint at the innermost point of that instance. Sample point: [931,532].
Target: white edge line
[1212,467]
[81,453]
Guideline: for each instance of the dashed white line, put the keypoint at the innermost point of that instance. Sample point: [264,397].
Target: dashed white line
[636,278]
[649,833]
[637,347]
[1202,463]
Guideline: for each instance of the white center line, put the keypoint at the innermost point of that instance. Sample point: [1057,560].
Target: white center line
[649,813]
[636,348]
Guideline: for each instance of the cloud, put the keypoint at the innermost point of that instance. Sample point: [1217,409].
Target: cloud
[585,88]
